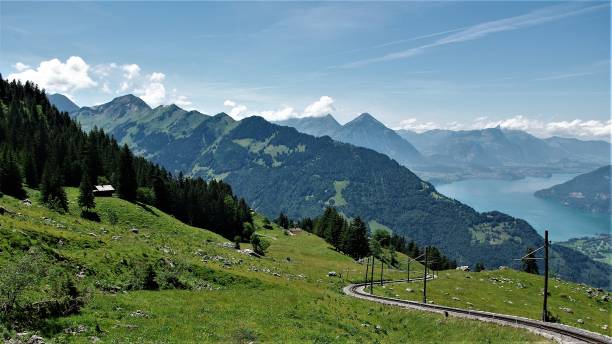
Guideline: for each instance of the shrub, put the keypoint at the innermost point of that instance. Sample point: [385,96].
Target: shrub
[260,246]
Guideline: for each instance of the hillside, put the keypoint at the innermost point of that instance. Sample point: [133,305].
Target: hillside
[511,292]
[276,168]
[363,131]
[589,191]
[598,248]
[208,291]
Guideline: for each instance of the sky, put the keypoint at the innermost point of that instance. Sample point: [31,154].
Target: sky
[543,67]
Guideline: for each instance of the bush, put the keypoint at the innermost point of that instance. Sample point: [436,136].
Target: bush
[260,246]
[145,195]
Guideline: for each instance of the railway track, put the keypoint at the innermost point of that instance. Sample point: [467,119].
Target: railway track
[557,332]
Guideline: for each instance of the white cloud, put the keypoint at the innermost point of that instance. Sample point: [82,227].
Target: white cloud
[321,107]
[157,77]
[131,71]
[20,67]
[237,111]
[577,128]
[280,114]
[55,75]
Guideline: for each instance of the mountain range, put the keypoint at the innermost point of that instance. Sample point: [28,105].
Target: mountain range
[276,168]
[446,155]
[364,131]
[589,191]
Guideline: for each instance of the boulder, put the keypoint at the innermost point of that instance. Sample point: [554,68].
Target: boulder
[332,274]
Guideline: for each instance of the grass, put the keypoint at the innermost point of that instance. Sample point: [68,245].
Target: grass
[339,186]
[511,292]
[286,296]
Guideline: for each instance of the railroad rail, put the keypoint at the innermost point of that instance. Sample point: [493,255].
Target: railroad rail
[554,331]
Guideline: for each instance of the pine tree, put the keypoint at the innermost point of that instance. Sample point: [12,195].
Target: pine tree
[529,262]
[51,190]
[357,240]
[127,176]
[11,176]
[86,196]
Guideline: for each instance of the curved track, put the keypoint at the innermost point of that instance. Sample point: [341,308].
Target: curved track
[557,332]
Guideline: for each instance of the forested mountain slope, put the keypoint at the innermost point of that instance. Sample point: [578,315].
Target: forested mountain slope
[589,191]
[277,168]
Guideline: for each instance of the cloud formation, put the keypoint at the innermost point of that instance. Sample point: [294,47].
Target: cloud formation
[56,76]
[533,18]
[321,107]
[577,128]
[108,78]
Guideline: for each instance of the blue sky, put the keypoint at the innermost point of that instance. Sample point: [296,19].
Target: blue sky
[539,66]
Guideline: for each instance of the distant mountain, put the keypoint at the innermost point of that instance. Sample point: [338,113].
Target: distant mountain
[496,152]
[364,131]
[589,191]
[278,168]
[62,102]
[598,248]
[317,126]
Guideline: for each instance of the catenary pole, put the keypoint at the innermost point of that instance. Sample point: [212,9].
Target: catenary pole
[425,279]
[544,309]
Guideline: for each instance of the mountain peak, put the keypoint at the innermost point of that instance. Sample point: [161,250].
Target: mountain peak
[365,118]
[62,103]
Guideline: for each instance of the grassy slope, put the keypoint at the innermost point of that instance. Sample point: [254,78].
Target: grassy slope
[499,291]
[237,303]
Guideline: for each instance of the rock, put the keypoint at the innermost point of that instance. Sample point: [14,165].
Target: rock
[134,230]
[409,290]
[94,339]
[503,267]
[80,274]
[36,340]
[26,202]
[456,298]
[521,285]
[604,327]
[276,274]
[332,274]
[605,298]
[567,310]
[580,321]
[116,237]
[139,314]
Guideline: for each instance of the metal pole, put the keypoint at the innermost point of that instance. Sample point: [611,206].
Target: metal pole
[544,310]
[367,269]
[425,279]
[372,276]
[408,270]
[382,268]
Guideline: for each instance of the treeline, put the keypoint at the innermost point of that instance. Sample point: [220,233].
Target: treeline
[47,150]
[351,238]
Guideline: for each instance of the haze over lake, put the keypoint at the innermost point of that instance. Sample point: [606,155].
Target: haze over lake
[515,197]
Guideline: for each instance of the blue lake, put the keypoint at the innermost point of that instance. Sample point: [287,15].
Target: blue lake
[515,197]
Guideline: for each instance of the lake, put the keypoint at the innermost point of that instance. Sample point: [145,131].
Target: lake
[515,198]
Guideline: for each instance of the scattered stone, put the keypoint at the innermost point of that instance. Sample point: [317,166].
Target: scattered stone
[456,298]
[469,304]
[332,274]
[93,234]
[463,268]
[409,290]
[80,274]
[604,327]
[134,230]
[276,274]
[566,310]
[139,314]
[503,267]
[521,286]
[116,237]
[36,340]
[75,330]
[94,339]
[580,321]
[605,298]
[26,202]
[602,310]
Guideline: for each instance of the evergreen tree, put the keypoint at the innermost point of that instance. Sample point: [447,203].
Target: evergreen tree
[51,190]
[30,170]
[86,196]
[11,175]
[529,262]
[127,176]
[357,245]
[479,267]
[282,220]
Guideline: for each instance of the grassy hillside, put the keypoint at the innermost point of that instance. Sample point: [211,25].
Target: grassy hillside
[598,248]
[219,294]
[513,292]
